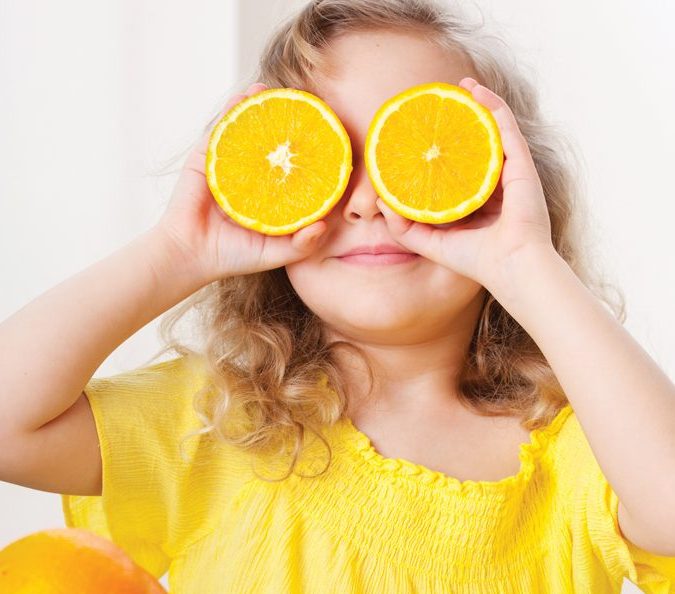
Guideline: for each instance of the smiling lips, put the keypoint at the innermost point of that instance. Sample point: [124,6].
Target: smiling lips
[397,258]
[381,253]
[379,248]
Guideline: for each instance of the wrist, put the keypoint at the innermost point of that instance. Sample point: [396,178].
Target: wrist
[171,260]
[513,281]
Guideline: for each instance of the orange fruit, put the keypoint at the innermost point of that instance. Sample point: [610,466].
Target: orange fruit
[433,153]
[278,161]
[71,560]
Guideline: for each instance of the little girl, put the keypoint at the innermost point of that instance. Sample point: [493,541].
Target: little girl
[470,420]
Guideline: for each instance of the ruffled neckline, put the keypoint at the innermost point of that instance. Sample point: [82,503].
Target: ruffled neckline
[360,446]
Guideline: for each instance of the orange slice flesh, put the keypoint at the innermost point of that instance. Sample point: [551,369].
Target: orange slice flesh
[433,153]
[278,161]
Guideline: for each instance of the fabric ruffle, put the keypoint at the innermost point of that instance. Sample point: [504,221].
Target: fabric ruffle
[529,453]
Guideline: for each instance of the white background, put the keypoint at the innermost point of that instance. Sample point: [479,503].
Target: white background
[96,96]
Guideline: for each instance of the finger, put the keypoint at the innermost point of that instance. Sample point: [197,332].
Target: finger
[418,237]
[396,223]
[256,88]
[282,249]
[308,235]
[468,83]
[231,102]
[196,159]
[253,89]
[516,150]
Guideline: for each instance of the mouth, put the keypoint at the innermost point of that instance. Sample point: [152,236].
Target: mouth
[379,259]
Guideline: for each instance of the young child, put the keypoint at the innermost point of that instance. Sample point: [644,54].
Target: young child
[470,420]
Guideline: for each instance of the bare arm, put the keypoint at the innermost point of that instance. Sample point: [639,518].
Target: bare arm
[50,348]
[625,403]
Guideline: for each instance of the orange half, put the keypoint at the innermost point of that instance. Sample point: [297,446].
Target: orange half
[278,161]
[433,153]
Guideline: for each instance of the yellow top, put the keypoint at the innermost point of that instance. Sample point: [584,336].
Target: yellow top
[369,524]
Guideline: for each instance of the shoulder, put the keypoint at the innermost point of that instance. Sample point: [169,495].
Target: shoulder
[571,457]
[156,393]
[164,479]
[171,377]
[598,523]
[581,483]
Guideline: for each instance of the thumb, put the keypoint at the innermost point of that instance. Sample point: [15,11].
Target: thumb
[397,224]
[309,237]
[419,238]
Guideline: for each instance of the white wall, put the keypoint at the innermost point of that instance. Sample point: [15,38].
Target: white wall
[605,71]
[93,97]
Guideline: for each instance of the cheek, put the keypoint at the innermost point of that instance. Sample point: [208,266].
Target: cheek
[317,286]
[425,290]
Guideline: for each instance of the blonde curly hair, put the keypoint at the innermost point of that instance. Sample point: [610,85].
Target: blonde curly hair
[263,350]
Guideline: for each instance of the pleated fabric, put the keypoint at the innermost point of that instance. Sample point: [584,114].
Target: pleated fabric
[369,524]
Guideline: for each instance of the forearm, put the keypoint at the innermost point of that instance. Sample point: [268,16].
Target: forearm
[52,346]
[624,402]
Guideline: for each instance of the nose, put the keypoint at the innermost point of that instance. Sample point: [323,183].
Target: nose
[359,199]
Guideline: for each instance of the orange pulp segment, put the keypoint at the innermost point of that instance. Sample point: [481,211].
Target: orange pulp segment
[278,161]
[433,153]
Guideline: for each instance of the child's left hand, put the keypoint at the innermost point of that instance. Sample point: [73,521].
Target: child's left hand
[515,216]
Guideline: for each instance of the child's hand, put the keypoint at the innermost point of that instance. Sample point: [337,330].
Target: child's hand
[210,241]
[515,216]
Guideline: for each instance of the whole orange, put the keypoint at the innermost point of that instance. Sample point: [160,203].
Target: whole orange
[72,560]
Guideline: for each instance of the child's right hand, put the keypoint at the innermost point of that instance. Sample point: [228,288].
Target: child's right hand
[213,243]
